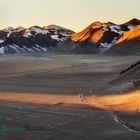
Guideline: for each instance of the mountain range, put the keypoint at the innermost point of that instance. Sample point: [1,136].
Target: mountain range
[98,38]
[32,40]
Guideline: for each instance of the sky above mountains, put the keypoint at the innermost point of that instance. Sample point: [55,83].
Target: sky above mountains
[73,14]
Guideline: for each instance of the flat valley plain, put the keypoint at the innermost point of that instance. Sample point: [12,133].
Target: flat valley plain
[46,94]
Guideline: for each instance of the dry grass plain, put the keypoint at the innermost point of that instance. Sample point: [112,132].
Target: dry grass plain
[69,96]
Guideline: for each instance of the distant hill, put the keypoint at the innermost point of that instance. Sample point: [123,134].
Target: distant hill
[98,38]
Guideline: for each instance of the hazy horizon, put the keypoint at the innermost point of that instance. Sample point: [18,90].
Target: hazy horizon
[74,14]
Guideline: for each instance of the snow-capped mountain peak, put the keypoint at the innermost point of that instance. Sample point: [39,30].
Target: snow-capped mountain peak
[33,39]
[34,30]
[54,27]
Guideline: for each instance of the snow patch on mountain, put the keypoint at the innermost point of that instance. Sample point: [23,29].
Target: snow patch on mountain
[1,40]
[130,27]
[37,30]
[56,37]
[116,29]
[27,33]
[108,45]
[2,50]
[105,46]
[59,37]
